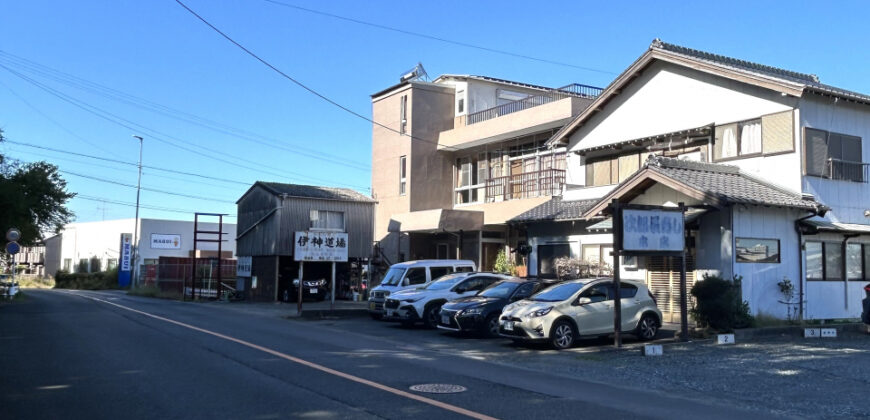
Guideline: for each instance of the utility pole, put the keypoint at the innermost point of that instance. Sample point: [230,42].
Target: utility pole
[136,226]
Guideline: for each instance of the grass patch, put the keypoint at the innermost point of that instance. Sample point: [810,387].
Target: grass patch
[35,282]
[153,292]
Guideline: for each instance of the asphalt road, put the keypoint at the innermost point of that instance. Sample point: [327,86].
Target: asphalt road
[72,354]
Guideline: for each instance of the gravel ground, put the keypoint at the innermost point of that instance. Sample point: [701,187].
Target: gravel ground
[787,376]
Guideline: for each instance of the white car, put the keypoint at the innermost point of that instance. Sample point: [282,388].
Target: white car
[424,304]
[412,274]
[9,289]
[579,308]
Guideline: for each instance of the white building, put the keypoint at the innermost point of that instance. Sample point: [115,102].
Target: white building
[778,187]
[78,243]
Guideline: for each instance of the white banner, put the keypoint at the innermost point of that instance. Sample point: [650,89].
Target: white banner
[243,267]
[161,241]
[126,250]
[320,246]
[652,230]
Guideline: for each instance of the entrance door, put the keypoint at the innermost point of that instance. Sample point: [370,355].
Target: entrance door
[663,280]
[516,179]
[441,251]
[547,255]
[490,252]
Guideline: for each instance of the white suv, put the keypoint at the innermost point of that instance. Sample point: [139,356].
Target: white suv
[577,308]
[412,274]
[424,304]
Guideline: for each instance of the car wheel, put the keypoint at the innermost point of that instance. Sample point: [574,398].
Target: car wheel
[562,335]
[430,315]
[647,328]
[490,326]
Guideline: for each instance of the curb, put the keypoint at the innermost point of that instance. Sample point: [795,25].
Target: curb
[317,314]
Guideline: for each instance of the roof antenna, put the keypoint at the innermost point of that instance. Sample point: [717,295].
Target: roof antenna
[416,73]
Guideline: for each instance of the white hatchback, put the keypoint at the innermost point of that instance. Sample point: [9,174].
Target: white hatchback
[566,311]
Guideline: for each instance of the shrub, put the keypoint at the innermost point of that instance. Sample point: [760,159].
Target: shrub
[719,304]
[503,264]
[87,281]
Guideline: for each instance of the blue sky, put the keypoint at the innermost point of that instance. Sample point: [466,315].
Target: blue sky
[170,62]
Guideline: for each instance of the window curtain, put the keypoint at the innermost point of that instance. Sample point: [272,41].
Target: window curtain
[729,143]
[750,138]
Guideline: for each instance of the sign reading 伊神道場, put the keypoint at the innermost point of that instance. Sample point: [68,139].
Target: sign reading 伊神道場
[162,241]
[320,246]
[653,230]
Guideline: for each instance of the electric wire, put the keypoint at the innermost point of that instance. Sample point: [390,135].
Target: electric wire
[144,206]
[32,67]
[439,39]
[302,85]
[156,135]
[109,181]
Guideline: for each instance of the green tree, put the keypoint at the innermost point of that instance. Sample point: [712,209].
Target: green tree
[33,198]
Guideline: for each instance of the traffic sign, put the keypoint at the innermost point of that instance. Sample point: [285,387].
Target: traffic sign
[13,235]
[13,247]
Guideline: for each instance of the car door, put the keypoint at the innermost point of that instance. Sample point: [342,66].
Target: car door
[596,315]
[415,277]
[630,305]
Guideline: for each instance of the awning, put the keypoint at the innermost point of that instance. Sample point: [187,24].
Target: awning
[828,226]
[437,220]
[606,225]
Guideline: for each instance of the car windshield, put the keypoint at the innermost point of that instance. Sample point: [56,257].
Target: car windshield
[394,276]
[445,282]
[558,293]
[501,289]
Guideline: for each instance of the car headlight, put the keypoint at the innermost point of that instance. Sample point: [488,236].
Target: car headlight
[540,312]
[472,311]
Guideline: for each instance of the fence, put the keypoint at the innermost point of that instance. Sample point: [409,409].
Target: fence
[171,280]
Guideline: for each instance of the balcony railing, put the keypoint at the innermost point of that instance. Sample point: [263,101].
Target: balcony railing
[571,91]
[547,182]
[847,171]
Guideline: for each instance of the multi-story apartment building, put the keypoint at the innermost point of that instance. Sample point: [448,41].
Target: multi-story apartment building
[772,164]
[455,158]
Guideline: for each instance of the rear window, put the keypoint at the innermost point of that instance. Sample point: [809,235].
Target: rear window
[627,291]
[439,271]
[464,269]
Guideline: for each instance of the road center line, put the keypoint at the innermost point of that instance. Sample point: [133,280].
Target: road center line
[303,362]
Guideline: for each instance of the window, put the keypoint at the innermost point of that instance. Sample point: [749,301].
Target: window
[506,96]
[403,114]
[111,263]
[738,139]
[833,155]
[753,250]
[482,168]
[825,261]
[627,291]
[524,291]
[436,272]
[416,276]
[597,293]
[460,102]
[815,262]
[327,220]
[854,262]
[403,172]
[67,264]
[464,269]
[608,172]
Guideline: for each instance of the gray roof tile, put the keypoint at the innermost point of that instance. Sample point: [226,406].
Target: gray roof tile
[555,210]
[314,191]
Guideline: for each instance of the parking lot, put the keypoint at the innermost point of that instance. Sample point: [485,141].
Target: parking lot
[790,376]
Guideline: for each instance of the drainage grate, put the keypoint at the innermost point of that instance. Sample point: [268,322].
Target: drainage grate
[439,388]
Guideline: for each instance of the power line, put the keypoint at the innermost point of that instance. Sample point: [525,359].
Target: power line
[439,39]
[155,135]
[95,88]
[302,85]
[122,203]
[109,181]
[127,163]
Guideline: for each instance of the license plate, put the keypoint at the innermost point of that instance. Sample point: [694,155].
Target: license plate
[445,319]
[389,313]
[372,305]
[313,290]
[509,326]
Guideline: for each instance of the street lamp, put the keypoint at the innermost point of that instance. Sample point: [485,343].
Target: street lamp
[136,226]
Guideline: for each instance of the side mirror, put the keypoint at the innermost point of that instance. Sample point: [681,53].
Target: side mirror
[584,301]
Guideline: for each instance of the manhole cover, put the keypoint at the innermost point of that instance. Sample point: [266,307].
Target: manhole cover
[439,388]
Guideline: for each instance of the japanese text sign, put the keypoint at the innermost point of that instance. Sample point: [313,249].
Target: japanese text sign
[320,246]
[652,230]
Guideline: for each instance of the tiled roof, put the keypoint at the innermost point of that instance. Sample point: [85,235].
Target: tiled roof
[809,81]
[314,191]
[727,183]
[555,210]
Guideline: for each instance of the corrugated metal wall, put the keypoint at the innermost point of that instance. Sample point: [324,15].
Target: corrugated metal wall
[274,235]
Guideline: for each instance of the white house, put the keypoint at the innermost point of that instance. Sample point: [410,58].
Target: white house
[78,243]
[771,162]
